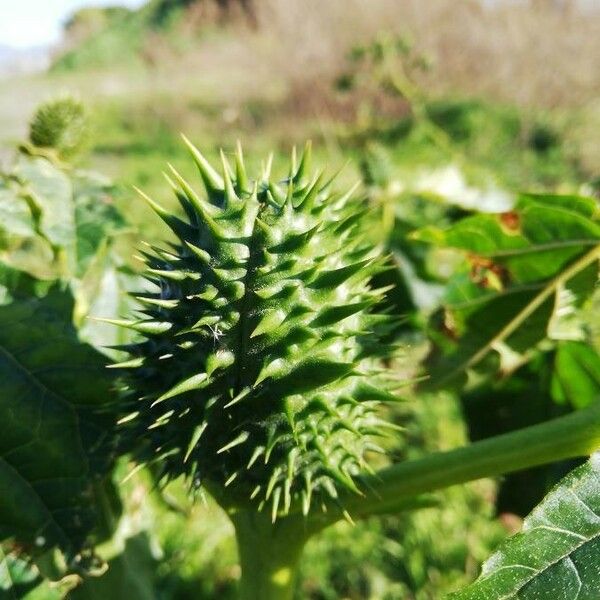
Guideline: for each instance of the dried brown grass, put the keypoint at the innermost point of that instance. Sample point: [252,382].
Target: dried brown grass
[544,53]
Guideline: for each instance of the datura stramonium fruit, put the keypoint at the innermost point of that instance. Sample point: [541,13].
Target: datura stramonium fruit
[61,124]
[257,369]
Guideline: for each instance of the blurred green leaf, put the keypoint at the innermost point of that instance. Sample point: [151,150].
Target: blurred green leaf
[529,272]
[576,376]
[62,224]
[557,555]
[102,292]
[17,220]
[52,194]
[96,217]
[22,246]
[55,221]
[55,439]
[532,242]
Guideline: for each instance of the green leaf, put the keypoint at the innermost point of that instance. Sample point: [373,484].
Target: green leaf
[568,321]
[17,221]
[529,274]
[22,246]
[53,222]
[55,438]
[557,555]
[532,242]
[102,293]
[96,216]
[52,193]
[86,252]
[576,376]
[36,218]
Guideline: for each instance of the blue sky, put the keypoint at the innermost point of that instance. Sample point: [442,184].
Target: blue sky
[25,23]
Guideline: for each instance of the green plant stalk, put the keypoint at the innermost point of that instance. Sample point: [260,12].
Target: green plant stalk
[269,554]
[571,436]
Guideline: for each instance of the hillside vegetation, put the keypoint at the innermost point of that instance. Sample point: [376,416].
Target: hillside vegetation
[97,37]
[515,86]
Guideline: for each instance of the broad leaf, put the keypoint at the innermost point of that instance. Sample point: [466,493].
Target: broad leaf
[528,274]
[51,191]
[55,434]
[533,241]
[22,245]
[17,221]
[576,376]
[557,555]
[62,224]
[102,292]
[53,221]
[96,217]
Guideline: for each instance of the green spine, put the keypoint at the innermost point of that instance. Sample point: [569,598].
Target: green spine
[256,367]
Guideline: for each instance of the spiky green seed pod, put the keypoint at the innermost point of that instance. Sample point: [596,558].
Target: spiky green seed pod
[60,124]
[255,372]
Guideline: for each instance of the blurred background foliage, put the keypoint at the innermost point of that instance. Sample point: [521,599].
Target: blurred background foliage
[444,110]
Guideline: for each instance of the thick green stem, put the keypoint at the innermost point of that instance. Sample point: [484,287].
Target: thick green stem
[269,554]
[574,435]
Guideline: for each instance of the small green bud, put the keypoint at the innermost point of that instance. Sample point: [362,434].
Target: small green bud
[60,124]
